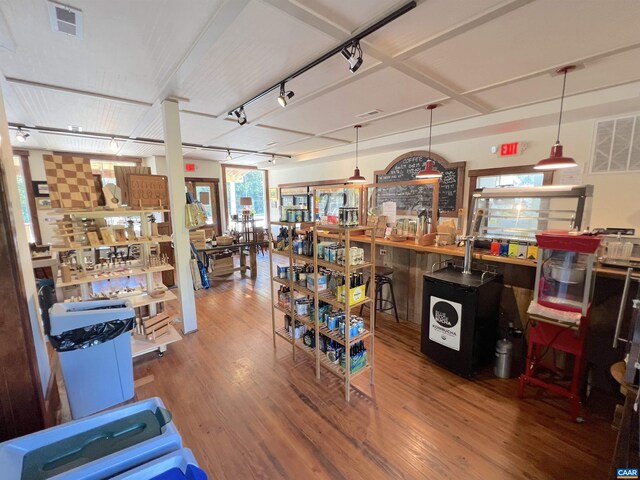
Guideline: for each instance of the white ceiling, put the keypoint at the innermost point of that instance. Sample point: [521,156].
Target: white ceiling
[474,57]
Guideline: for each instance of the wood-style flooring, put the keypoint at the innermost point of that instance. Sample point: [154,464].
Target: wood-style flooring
[248,411]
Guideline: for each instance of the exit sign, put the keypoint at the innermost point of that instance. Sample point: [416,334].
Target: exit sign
[509,149]
[190,167]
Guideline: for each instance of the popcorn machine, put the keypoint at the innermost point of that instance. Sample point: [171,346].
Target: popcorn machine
[559,313]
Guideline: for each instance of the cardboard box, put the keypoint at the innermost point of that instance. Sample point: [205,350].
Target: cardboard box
[356,294]
[323,281]
[197,237]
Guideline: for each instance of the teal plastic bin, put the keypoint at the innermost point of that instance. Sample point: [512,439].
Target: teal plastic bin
[96,447]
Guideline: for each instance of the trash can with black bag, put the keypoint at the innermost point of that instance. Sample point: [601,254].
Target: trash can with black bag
[93,341]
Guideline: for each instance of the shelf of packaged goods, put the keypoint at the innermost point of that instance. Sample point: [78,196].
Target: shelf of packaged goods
[282,253]
[125,272]
[337,369]
[341,268]
[331,299]
[311,352]
[65,248]
[141,345]
[282,281]
[306,319]
[283,333]
[302,258]
[282,309]
[334,335]
[303,290]
[122,212]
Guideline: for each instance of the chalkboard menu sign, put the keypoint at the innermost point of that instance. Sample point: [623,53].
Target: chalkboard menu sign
[404,169]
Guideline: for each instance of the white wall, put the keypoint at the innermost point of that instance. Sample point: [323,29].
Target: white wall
[616,200]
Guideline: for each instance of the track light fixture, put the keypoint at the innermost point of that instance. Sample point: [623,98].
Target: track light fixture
[114,145]
[350,49]
[240,115]
[353,55]
[272,161]
[229,157]
[284,96]
[21,135]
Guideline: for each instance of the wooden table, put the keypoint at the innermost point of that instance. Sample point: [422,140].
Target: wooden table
[241,248]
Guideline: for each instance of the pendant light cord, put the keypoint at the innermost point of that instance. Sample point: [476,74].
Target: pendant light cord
[357,129]
[430,123]
[564,83]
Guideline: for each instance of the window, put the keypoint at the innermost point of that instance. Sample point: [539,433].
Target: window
[104,168]
[243,182]
[24,198]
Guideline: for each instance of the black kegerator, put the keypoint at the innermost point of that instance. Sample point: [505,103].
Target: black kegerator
[460,318]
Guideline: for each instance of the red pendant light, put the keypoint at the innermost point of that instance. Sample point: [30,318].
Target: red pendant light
[430,170]
[356,177]
[556,159]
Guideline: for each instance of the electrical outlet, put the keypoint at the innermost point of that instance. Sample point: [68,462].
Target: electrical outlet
[383,251]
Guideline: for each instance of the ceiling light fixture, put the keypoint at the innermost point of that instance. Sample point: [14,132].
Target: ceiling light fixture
[353,54]
[272,161]
[350,48]
[114,145]
[240,115]
[229,157]
[356,177]
[429,170]
[556,159]
[21,135]
[284,96]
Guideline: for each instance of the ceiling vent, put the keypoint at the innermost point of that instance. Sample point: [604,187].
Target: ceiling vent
[65,19]
[372,113]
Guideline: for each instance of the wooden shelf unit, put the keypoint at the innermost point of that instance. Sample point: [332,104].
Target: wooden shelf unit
[139,344]
[343,235]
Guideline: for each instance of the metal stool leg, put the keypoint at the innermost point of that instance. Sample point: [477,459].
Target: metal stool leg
[393,299]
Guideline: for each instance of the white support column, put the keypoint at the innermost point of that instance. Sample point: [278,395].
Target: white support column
[175,174]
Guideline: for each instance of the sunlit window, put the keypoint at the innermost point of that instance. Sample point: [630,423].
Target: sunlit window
[24,199]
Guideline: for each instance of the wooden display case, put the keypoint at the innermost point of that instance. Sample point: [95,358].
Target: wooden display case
[322,361]
[148,302]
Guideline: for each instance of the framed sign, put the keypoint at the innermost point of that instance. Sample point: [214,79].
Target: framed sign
[403,170]
[40,188]
[147,190]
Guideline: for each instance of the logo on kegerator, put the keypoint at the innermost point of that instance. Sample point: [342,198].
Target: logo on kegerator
[445,314]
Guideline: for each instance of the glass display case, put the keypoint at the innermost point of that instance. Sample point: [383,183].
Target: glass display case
[565,276]
[519,213]
[329,200]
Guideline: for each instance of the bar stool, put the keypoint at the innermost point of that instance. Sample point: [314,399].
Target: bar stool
[382,278]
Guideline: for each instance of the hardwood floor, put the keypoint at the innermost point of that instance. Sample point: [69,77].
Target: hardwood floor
[248,411]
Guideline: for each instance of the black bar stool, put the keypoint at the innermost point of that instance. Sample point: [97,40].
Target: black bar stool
[382,278]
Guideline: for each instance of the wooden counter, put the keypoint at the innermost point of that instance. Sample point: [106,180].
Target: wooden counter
[481,255]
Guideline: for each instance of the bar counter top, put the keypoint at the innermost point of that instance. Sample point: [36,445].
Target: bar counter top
[482,255]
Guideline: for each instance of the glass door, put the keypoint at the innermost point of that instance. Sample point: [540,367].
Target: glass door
[206,192]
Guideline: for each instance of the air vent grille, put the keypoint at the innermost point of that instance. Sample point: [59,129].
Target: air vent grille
[369,114]
[65,19]
[617,145]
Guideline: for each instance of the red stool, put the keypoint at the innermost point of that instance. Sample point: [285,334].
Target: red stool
[547,334]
